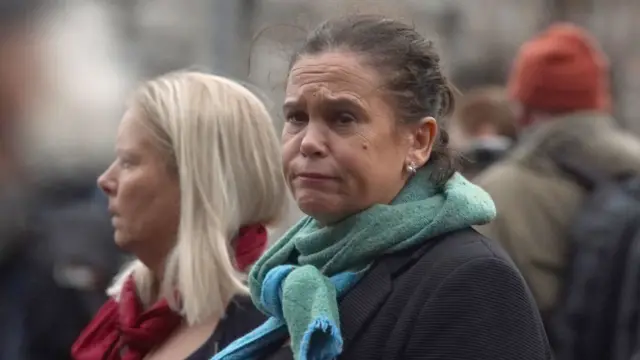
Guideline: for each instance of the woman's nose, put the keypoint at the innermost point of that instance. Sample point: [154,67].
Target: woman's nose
[314,142]
[106,183]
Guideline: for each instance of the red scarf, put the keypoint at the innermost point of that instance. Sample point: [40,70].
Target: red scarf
[125,331]
[250,244]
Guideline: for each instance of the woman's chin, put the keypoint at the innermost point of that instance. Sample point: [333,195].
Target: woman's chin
[314,206]
[122,240]
[324,209]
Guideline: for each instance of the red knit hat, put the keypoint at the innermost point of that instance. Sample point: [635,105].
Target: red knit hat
[561,70]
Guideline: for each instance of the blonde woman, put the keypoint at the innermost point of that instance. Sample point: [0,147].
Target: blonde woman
[196,178]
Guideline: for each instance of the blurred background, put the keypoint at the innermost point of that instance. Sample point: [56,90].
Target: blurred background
[94,52]
[81,58]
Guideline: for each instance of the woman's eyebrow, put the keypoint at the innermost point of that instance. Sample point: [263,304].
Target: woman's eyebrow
[342,102]
[125,151]
[291,104]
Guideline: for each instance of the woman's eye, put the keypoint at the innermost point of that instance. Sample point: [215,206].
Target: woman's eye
[297,118]
[345,118]
[124,163]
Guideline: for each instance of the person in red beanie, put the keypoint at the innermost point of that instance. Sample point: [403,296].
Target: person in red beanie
[196,175]
[560,83]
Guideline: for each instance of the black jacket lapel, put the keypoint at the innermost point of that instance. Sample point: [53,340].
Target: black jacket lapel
[363,301]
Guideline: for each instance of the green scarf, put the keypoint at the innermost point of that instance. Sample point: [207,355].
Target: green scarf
[420,212]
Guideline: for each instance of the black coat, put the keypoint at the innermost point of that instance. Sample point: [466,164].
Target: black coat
[39,317]
[456,297]
[240,318]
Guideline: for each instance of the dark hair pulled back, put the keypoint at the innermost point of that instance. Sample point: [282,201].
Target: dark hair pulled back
[410,67]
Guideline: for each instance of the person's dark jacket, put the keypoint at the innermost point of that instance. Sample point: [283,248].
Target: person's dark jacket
[39,319]
[456,297]
[537,202]
[240,318]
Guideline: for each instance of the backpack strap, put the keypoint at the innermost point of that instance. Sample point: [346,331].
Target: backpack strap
[580,172]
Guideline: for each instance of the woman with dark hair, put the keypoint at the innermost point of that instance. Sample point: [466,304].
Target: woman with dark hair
[386,265]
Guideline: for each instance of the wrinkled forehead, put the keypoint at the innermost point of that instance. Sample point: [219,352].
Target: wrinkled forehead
[330,76]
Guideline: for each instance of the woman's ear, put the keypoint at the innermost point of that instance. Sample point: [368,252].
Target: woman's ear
[423,137]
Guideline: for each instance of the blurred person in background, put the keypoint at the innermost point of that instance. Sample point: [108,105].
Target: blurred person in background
[560,81]
[486,123]
[385,265]
[196,178]
[67,143]
[80,238]
[39,318]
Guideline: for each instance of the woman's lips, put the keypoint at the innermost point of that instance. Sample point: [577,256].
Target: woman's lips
[314,179]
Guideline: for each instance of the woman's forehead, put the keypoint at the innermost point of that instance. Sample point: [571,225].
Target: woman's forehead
[332,72]
[132,133]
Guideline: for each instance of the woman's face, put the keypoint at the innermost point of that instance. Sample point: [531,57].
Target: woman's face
[343,148]
[144,195]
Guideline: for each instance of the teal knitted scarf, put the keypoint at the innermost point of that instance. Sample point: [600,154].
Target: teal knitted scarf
[298,281]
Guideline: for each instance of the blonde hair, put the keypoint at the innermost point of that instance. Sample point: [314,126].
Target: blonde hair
[222,143]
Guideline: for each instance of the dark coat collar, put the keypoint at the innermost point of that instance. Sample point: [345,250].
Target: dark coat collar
[363,301]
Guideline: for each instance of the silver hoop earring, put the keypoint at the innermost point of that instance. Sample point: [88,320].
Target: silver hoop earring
[411,168]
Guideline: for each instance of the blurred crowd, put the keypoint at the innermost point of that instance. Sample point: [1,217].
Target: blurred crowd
[543,138]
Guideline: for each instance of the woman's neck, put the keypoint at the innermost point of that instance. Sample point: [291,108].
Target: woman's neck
[152,293]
